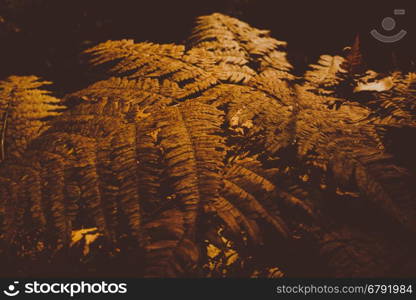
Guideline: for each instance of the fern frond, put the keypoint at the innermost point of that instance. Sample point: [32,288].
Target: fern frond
[236,42]
[396,106]
[127,97]
[326,73]
[76,185]
[23,109]
[192,152]
[147,60]
[183,143]
[378,178]
[271,83]
[354,158]
[250,192]
[346,143]
[259,112]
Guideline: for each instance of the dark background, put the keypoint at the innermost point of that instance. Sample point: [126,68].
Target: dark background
[46,37]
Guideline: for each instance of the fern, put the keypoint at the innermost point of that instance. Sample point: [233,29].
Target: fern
[235,42]
[251,192]
[182,147]
[23,108]
[194,70]
[155,61]
[67,179]
[188,140]
[326,74]
[395,106]
[130,97]
[258,112]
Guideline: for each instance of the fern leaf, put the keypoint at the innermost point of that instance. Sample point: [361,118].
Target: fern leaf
[127,97]
[189,70]
[235,42]
[249,191]
[396,106]
[354,158]
[23,108]
[186,147]
[78,185]
[187,136]
[258,112]
[326,74]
